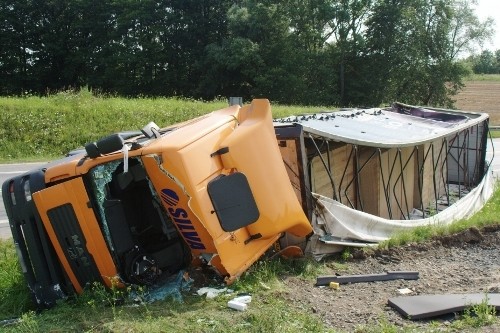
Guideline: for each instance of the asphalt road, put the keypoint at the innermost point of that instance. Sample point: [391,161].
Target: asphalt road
[495,164]
[7,171]
[11,170]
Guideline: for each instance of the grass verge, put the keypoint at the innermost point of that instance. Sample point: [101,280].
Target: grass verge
[14,297]
[41,128]
[97,309]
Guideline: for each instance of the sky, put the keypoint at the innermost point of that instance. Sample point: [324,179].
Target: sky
[490,8]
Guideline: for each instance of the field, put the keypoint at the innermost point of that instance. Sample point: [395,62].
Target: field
[481,95]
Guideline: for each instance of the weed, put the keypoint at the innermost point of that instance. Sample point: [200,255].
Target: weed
[346,254]
[383,326]
[14,296]
[27,324]
[478,315]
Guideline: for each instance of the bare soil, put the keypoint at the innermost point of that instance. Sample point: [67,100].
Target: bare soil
[481,96]
[468,262]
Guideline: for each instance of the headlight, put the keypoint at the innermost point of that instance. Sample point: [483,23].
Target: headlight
[27,190]
[12,195]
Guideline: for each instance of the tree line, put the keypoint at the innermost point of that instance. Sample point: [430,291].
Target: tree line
[487,62]
[308,52]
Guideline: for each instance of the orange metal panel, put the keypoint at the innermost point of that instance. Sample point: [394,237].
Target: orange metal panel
[255,140]
[183,167]
[73,192]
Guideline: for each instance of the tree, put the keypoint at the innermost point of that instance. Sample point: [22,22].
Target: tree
[486,63]
[256,45]
[18,40]
[466,30]
[497,58]
[345,26]
[412,48]
[344,52]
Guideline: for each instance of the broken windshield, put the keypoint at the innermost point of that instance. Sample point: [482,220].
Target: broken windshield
[100,177]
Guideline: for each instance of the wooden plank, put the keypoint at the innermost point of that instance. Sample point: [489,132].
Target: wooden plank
[393,186]
[428,175]
[294,155]
[370,184]
[338,160]
[288,150]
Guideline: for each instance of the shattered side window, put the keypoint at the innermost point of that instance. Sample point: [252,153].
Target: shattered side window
[101,175]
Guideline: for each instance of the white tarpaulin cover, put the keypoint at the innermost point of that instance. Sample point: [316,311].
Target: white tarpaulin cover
[345,224]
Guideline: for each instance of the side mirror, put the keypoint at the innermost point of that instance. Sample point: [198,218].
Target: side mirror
[233,201]
[104,146]
[151,130]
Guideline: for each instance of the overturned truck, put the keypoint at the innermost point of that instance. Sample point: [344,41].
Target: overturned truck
[222,189]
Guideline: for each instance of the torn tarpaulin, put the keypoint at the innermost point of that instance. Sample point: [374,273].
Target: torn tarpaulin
[333,218]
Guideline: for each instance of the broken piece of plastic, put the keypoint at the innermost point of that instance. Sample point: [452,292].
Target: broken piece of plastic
[405,291]
[245,299]
[334,285]
[237,305]
[211,292]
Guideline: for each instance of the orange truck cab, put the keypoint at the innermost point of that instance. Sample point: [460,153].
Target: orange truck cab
[136,206]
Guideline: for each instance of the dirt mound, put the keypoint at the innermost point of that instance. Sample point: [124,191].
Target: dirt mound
[470,236]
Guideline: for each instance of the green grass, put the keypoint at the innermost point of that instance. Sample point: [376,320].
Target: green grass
[483,77]
[42,128]
[96,310]
[14,297]
[495,134]
[479,315]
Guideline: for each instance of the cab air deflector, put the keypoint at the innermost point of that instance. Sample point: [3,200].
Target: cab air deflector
[233,201]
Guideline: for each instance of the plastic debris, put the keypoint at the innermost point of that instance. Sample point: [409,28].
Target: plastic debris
[243,299]
[240,302]
[334,285]
[405,291]
[237,305]
[211,292]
